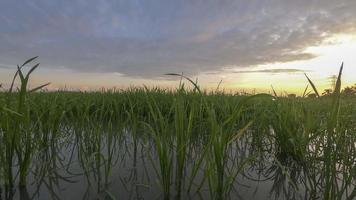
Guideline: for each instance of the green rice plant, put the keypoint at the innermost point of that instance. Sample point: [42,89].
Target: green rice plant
[195,139]
[133,118]
[183,124]
[46,127]
[222,133]
[18,140]
[332,130]
[291,131]
[160,132]
[24,141]
[313,86]
[336,153]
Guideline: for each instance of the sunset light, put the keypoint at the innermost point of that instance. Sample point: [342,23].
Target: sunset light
[177,99]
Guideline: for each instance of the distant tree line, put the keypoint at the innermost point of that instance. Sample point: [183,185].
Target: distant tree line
[349,90]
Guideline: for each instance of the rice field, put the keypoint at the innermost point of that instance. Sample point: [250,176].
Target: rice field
[152,143]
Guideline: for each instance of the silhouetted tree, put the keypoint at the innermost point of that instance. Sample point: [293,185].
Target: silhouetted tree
[313,95]
[350,90]
[292,95]
[327,92]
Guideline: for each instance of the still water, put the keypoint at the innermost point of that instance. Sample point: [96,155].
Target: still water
[118,166]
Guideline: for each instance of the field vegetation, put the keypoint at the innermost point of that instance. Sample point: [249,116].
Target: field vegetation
[193,143]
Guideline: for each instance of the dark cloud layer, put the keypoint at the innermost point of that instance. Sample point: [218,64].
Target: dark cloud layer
[149,38]
[272,71]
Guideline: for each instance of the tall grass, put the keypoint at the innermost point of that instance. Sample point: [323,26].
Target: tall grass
[197,141]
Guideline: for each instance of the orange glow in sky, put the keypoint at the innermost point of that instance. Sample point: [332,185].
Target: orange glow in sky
[330,54]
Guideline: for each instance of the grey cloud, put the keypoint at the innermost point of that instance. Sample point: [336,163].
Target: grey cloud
[273,71]
[4,66]
[147,39]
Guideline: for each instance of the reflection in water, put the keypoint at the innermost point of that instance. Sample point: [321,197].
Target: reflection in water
[24,194]
[109,164]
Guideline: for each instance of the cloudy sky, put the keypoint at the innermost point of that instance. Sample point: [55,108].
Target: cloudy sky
[246,44]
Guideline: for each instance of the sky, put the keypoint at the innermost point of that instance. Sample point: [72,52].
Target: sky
[248,45]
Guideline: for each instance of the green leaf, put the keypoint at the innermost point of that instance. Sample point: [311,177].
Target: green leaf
[31,70]
[39,87]
[29,60]
[312,84]
[20,74]
[240,133]
[187,78]
[12,112]
[305,91]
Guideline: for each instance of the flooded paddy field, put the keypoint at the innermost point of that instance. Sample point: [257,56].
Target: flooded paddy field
[158,144]
[145,143]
